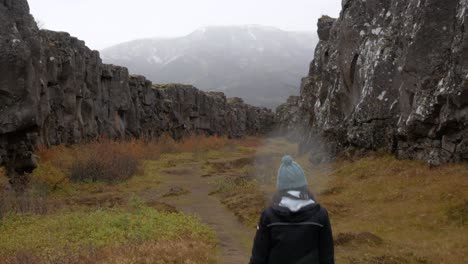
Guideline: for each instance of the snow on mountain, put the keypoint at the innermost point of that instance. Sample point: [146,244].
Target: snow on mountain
[260,64]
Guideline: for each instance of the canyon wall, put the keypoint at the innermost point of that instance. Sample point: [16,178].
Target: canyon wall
[387,74]
[55,90]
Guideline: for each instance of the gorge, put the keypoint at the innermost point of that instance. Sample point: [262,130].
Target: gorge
[55,90]
[386,75]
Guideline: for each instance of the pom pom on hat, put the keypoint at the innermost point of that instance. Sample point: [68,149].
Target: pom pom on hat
[290,175]
[287,160]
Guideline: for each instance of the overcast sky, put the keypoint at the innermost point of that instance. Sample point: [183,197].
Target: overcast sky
[102,23]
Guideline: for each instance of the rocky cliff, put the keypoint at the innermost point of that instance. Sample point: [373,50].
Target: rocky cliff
[54,90]
[388,74]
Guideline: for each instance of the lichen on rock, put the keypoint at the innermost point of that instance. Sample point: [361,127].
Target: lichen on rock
[388,75]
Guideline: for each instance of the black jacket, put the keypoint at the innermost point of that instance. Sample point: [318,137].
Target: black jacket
[284,237]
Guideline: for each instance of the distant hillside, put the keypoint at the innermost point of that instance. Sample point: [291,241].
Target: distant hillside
[262,65]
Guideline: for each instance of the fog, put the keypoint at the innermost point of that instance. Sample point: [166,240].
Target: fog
[106,22]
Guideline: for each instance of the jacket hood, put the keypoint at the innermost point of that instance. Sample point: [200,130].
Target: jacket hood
[294,204]
[285,213]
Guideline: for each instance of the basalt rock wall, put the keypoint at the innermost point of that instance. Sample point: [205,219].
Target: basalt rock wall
[387,74]
[55,90]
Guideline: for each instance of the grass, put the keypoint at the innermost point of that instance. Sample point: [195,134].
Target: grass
[416,210]
[387,210]
[109,165]
[49,237]
[240,194]
[383,210]
[90,219]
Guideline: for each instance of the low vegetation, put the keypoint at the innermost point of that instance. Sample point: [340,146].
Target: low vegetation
[416,210]
[54,237]
[383,210]
[105,160]
[79,207]
[241,194]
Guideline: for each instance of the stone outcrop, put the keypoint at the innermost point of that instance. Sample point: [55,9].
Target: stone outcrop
[388,74]
[288,122]
[55,90]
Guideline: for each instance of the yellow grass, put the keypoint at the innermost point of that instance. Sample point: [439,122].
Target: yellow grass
[417,212]
[383,210]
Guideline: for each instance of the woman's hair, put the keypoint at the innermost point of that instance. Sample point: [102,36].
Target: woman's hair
[304,194]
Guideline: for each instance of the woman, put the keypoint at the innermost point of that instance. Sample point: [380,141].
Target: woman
[295,229]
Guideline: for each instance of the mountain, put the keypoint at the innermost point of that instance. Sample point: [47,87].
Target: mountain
[262,65]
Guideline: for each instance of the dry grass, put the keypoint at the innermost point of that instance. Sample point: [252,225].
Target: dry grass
[111,161]
[419,212]
[387,210]
[241,196]
[81,179]
[27,203]
[238,190]
[202,143]
[187,251]
[103,160]
[192,144]
[383,210]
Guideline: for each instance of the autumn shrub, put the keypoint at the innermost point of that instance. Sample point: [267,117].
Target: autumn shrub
[47,178]
[250,142]
[163,145]
[106,160]
[29,201]
[25,203]
[60,157]
[193,144]
[200,143]
[114,161]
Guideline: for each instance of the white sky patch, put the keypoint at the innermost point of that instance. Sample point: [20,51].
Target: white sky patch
[104,23]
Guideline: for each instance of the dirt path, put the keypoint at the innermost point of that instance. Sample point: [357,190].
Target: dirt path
[234,238]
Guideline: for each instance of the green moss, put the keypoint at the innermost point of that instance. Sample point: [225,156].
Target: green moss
[48,235]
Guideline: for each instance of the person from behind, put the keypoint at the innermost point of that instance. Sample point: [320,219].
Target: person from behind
[295,229]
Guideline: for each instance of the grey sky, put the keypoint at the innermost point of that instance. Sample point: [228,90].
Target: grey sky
[102,23]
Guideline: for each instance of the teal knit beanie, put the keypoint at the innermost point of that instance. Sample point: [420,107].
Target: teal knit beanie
[290,175]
